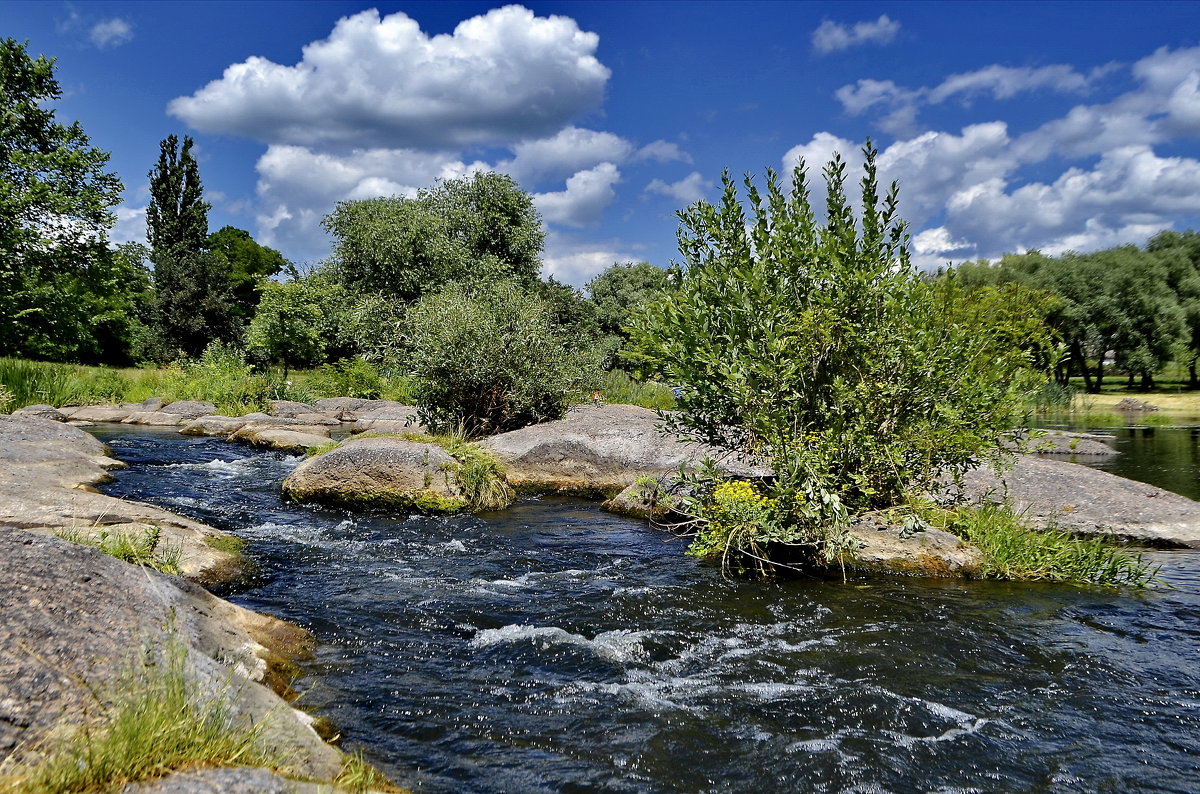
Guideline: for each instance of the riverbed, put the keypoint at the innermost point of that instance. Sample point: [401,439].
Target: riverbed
[556,648]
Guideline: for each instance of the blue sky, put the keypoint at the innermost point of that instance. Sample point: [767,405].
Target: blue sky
[1010,126]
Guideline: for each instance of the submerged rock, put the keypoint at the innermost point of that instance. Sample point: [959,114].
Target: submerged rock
[379,472]
[75,622]
[1087,501]
[601,449]
[47,469]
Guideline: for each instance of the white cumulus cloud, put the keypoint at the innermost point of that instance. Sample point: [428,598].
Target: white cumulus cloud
[569,151]
[501,77]
[689,190]
[833,36]
[583,202]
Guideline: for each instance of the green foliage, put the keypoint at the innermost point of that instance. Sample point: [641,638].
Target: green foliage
[222,376]
[1012,550]
[6,400]
[352,377]
[819,348]
[287,327]
[482,227]
[249,265]
[194,302]
[63,295]
[616,294]
[230,544]
[488,358]
[158,720]
[621,389]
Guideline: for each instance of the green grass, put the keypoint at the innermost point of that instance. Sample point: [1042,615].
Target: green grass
[220,379]
[1012,550]
[621,389]
[145,550]
[156,722]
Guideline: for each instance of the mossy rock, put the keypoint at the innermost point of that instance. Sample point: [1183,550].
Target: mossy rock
[386,473]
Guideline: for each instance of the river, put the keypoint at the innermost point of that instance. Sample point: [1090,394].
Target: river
[555,648]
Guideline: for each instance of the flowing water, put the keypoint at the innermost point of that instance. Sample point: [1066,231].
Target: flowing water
[556,648]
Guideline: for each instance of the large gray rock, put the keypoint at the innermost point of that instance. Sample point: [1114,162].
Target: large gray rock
[1088,501]
[379,472]
[1062,442]
[101,413]
[291,408]
[600,449]
[47,470]
[217,425]
[190,409]
[41,412]
[294,441]
[154,419]
[391,419]
[74,622]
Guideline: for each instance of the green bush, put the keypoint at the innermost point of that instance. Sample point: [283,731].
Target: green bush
[621,389]
[822,350]
[488,358]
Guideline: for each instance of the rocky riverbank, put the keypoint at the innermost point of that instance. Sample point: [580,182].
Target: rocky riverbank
[74,621]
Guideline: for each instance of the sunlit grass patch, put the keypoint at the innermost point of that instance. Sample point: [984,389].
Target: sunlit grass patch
[1014,550]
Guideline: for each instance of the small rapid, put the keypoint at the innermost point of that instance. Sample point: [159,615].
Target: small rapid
[555,648]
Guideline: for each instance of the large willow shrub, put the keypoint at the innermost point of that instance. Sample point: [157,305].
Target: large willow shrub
[820,348]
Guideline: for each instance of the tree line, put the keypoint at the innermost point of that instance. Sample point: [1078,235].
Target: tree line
[68,294]
[1126,309]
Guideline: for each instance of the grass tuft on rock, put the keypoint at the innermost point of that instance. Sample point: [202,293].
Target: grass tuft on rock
[146,549]
[157,722]
[477,472]
[1013,550]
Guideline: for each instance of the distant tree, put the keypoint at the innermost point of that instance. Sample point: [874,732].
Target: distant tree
[482,227]
[620,289]
[249,264]
[1180,255]
[287,326]
[56,197]
[194,302]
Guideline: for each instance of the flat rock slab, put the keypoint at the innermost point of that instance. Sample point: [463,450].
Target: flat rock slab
[47,469]
[101,413]
[280,439]
[154,419]
[380,472]
[41,412]
[216,425]
[290,408]
[1062,442]
[1090,502]
[600,449]
[189,409]
[74,621]
[237,780]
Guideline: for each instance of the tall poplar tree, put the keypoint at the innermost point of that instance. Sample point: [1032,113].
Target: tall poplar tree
[194,301]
